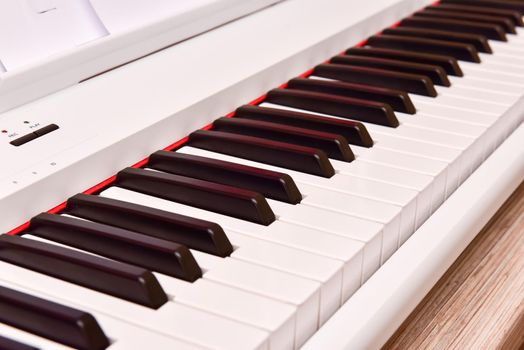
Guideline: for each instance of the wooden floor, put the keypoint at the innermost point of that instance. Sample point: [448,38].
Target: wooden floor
[479,302]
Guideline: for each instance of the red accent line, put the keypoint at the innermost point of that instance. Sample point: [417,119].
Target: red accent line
[208,127]
[19,229]
[58,208]
[100,186]
[141,164]
[362,43]
[258,101]
[177,144]
[395,25]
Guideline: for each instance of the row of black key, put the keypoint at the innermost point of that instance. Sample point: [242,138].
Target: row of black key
[367,84]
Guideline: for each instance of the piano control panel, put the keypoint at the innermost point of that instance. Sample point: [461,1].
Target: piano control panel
[22,140]
[41,142]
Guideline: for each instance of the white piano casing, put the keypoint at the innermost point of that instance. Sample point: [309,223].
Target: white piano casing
[120,117]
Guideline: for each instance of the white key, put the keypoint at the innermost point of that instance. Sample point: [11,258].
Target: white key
[495,85]
[480,93]
[327,271]
[473,82]
[457,110]
[173,320]
[472,150]
[449,97]
[506,59]
[303,293]
[404,198]
[386,214]
[514,42]
[456,165]
[399,179]
[456,121]
[478,73]
[131,337]
[421,165]
[449,109]
[489,65]
[448,123]
[347,250]
[29,339]
[500,47]
[273,316]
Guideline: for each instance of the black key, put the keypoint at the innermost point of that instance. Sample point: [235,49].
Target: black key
[8,344]
[107,276]
[398,100]
[355,132]
[227,200]
[351,108]
[271,184]
[505,23]
[335,146]
[152,253]
[479,41]
[491,31]
[305,159]
[415,83]
[464,52]
[50,320]
[497,4]
[437,75]
[448,63]
[514,16]
[193,233]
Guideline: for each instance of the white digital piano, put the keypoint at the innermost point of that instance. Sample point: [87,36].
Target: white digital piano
[262,174]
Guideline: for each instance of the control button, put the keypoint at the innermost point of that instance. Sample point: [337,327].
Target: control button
[31,136]
[24,139]
[46,130]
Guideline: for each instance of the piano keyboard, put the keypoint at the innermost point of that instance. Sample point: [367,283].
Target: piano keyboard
[254,231]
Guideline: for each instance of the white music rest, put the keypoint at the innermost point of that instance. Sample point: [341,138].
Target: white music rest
[48,45]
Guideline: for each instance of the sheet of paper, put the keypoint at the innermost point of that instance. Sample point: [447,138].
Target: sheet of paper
[123,15]
[32,30]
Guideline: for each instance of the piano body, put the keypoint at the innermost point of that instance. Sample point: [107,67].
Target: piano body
[138,216]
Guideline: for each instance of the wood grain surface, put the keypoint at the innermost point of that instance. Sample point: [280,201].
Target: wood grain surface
[479,302]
